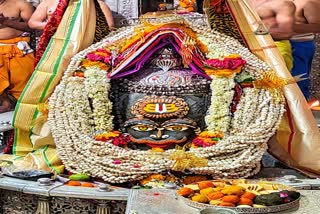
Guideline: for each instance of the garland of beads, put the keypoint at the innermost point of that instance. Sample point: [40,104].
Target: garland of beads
[238,154]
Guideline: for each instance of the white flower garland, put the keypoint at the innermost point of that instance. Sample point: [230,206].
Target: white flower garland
[97,86]
[219,116]
[237,155]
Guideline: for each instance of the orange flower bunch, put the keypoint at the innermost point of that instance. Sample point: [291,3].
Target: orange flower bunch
[105,136]
[150,178]
[85,63]
[185,191]
[194,179]
[211,193]
[187,4]
[207,138]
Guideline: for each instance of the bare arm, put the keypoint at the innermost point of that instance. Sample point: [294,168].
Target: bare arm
[107,13]
[311,12]
[39,17]
[26,11]
[277,15]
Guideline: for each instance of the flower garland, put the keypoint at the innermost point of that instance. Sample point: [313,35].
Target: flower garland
[225,67]
[97,86]
[242,139]
[219,117]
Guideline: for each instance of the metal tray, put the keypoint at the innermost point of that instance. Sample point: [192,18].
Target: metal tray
[267,209]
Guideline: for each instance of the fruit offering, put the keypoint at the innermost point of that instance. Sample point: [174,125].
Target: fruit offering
[239,193]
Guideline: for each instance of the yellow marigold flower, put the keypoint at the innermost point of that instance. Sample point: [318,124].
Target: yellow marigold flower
[233,56]
[157,150]
[152,177]
[208,134]
[157,177]
[222,72]
[106,135]
[87,63]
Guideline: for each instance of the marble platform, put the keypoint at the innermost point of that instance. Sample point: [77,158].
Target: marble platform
[28,197]
[5,121]
[21,196]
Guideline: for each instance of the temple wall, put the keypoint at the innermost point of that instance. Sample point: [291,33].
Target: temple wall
[124,10]
[315,73]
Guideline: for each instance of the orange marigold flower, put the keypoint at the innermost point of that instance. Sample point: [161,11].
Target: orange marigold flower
[205,184]
[194,179]
[152,177]
[245,201]
[105,136]
[185,191]
[231,199]
[248,195]
[215,195]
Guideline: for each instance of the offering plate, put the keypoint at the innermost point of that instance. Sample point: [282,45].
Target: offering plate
[266,209]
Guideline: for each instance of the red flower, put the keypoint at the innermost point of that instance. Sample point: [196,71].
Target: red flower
[205,142]
[198,142]
[117,162]
[226,63]
[100,55]
[122,140]
[93,57]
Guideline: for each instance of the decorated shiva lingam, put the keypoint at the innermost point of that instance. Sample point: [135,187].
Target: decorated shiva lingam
[165,106]
[165,96]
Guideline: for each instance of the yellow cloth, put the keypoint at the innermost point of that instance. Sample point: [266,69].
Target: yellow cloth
[15,67]
[75,33]
[297,142]
[284,47]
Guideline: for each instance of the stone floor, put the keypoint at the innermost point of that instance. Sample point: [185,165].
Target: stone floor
[271,168]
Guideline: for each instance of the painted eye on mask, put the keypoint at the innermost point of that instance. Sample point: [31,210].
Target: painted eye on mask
[176,128]
[142,128]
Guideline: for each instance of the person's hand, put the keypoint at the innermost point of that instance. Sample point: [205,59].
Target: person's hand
[277,16]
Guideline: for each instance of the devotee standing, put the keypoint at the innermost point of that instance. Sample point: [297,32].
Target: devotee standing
[16,57]
[278,17]
[303,45]
[46,8]
[42,14]
[298,20]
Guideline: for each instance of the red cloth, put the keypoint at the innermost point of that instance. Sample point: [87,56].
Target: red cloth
[219,6]
[8,148]
[50,29]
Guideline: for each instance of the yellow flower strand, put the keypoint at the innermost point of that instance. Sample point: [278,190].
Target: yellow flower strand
[273,83]
[186,160]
